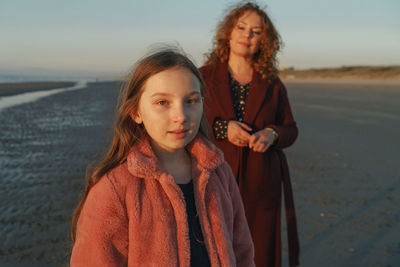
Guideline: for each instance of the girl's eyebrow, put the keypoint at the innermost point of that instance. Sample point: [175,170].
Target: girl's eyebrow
[161,94]
[195,93]
[166,94]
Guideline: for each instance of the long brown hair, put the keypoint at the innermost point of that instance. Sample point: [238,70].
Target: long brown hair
[126,132]
[264,61]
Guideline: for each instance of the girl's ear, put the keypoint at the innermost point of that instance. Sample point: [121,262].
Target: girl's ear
[136,117]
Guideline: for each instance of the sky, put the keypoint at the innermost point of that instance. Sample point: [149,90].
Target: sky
[109,36]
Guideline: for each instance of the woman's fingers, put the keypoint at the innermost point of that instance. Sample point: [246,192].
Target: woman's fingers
[261,146]
[237,134]
[260,141]
[253,140]
[242,137]
[240,143]
[245,126]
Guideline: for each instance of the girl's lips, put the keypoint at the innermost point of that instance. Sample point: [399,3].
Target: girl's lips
[179,133]
[244,44]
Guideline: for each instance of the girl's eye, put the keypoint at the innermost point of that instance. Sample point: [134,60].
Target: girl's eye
[240,27]
[192,101]
[257,32]
[162,102]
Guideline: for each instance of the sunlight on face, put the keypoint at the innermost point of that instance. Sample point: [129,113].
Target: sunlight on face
[246,35]
[171,108]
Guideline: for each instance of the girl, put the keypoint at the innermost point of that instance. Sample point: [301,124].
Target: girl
[163,195]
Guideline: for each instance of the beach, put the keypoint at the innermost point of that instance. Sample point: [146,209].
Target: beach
[45,148]
[345,172]
[344,168]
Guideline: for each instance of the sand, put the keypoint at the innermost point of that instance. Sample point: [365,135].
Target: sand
[345,173]
[45,148]
[344,169]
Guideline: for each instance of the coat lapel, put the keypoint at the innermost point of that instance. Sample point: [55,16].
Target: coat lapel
[256,97]
[221,91]
[222,94]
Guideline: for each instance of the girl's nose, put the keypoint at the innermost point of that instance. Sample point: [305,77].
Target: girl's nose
[179,114]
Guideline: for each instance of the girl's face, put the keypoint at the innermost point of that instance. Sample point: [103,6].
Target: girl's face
[246,35]
[171,108]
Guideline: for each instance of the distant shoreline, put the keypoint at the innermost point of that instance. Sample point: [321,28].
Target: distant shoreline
[10,89]
[380,73]
[349,75]
[344,80]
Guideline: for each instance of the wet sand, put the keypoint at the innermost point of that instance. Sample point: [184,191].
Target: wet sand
[45,148]
[344,170]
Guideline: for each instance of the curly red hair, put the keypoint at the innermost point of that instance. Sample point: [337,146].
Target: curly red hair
[264,61]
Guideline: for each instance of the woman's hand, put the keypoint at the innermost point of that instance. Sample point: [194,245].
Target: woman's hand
[238,133]
[262,140]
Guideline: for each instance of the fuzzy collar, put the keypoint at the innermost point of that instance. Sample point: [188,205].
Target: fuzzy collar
[143,163]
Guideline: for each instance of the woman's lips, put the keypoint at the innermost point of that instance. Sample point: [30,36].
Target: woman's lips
[244,44]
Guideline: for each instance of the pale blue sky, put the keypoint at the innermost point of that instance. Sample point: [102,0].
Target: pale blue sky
[109,36]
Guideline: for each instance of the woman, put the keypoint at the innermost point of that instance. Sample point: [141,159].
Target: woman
[248,109]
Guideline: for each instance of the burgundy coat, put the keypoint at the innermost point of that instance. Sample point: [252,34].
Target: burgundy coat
[260,175]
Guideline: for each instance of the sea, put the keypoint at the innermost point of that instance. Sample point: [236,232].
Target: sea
[9,101]
[4,78]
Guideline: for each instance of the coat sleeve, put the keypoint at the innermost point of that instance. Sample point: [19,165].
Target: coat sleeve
[285,124]
[102,229]
[242,241]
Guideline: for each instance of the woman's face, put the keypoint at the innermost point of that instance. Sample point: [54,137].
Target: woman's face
[246,35]
[171,108]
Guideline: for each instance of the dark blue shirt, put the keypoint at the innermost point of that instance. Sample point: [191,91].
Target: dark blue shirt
[198,251]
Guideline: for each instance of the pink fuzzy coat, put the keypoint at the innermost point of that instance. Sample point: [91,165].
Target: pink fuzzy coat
[136,216]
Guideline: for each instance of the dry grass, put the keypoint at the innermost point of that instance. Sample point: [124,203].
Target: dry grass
[364,72]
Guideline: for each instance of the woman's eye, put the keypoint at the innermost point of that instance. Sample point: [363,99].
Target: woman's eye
[257,33]
[240,27]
